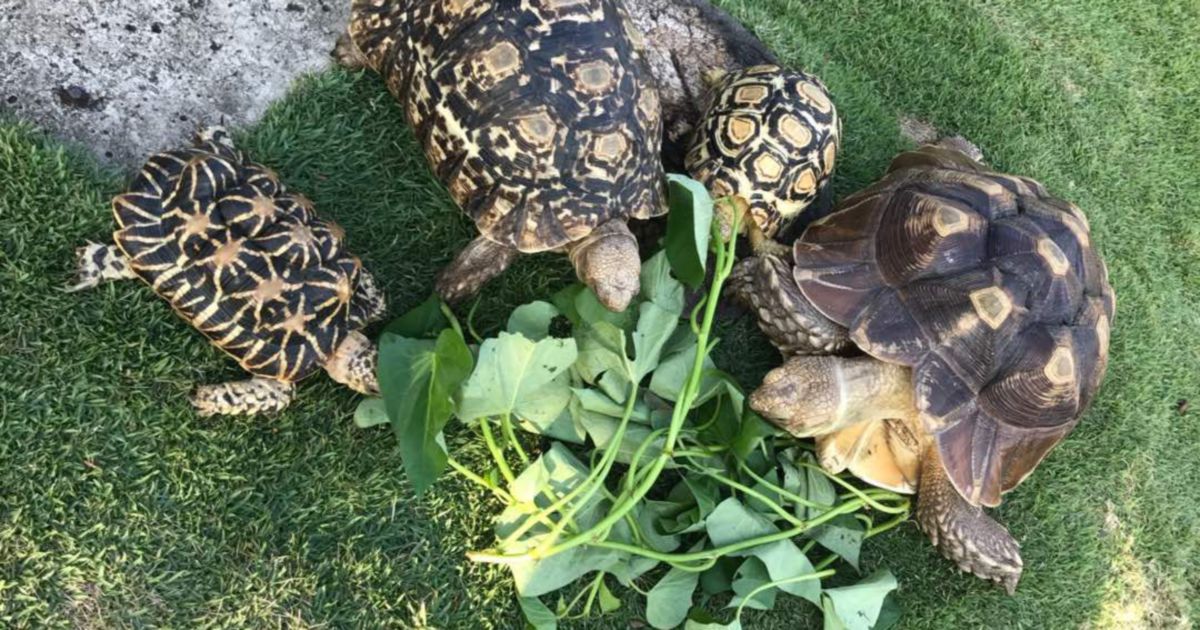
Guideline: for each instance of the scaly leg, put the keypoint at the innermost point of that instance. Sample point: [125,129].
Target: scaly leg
[257,395]
[96,263]
[964,533]
[477,264]
[764,284]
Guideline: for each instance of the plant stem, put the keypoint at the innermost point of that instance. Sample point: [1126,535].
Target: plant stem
[506,423]
[469,474]
[497,454]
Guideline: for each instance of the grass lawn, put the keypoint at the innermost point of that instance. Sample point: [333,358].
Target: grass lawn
[120,508]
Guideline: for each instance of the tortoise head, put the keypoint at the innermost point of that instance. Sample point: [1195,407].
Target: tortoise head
[769,137]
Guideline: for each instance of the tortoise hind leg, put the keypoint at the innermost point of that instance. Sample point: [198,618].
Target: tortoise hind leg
[243,398]
[96,263]
[478,263]
[964,533]
[369,299]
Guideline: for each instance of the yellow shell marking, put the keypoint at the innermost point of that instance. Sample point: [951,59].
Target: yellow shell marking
[501,60]
[226,254]
[1060,369]
[263,207]
[338,232]
[538,129]
[196,224]
[830,157]
[741,129]
[593,77]
[806,183]
[947,221]
[1103,332]
[796,131]
[768,167]
[993,305]
[815,95]
[268,290]
[610,146]
[1054,257]
[750,94]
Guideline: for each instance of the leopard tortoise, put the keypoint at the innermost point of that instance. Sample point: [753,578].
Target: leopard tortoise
[768,142]
[984,312]
[249,265]
[541,119]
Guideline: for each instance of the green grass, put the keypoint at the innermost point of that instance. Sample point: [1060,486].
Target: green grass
[120,508]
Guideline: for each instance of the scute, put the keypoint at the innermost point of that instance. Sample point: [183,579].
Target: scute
[240,258]
[540,117]
[988,287]
[768,139]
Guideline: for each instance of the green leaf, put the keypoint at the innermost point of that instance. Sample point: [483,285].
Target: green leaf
[699,619]
[750,576]
[537,615]
[654,328]
[659,286]
[555,473]
[602,429]
[783,561]
[719,578]
[674,371]
[631,567]
[423,322]
[592,312]
[889,613]
[520,377]
[857,607]
[564,301]
[371,412]
[688,228]
[532,320]
[608,601]
[754,429]
[705,491]
[648,515]
[808,483]
[731,522]
[668,602]
[418,379]
[602,350]
[843,535]
[564,427]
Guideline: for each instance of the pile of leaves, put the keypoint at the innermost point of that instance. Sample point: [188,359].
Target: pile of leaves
[622,454]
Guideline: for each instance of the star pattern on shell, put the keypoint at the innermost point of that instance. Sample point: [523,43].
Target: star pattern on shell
[245,261]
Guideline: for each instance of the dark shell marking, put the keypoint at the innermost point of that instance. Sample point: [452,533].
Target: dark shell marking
[770,136]
[540,117]
[989,288]
[241,259]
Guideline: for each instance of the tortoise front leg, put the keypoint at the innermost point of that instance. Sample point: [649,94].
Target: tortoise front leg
[96,263]
[764,284]
[964,533]
[477,264]
[243,398]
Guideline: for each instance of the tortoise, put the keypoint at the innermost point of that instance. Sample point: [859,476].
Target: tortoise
[539,117]
[249,265]
[984,314]
[768,141]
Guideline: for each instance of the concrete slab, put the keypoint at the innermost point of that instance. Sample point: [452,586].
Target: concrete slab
[130,77]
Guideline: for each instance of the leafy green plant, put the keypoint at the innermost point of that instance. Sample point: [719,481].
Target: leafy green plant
[621,452]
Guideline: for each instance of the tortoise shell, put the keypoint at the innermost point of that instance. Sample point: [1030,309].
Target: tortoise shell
[770,136]
[989,288]
[240,258]
[540,117]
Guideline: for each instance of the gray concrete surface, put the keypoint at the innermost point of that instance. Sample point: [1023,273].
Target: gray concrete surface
[126,78]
